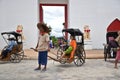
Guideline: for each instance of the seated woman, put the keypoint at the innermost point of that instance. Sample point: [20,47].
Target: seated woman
[8,49]
[71,49]
[112,45]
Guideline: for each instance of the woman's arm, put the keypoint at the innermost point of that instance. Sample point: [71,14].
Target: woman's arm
[37,42]
[48,41]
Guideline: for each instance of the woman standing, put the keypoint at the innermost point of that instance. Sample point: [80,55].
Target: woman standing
[118,52]
[42,46]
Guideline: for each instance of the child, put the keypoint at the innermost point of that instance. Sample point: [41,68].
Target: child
[42,46]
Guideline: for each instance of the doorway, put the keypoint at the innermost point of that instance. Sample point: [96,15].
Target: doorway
[55,15]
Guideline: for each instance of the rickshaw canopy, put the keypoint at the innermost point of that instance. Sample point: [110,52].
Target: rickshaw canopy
[77,33]
[12,33]
[73,32]
[114,26]
[17,36]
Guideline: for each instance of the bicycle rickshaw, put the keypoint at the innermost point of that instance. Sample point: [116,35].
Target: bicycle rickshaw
[17,53]
[79,54]
[110,48]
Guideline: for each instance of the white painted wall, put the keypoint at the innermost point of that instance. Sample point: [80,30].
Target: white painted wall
[24,12]
[54,1]
[98,14]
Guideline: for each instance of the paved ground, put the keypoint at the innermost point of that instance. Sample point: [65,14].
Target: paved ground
[90,54]
[93,69]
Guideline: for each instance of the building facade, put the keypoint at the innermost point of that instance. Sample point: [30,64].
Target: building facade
[97,14]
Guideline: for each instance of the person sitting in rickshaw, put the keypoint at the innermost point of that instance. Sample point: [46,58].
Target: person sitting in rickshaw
[71,49]
[8,49]
[112,45]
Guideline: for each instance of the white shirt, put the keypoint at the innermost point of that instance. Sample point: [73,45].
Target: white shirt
[43,42]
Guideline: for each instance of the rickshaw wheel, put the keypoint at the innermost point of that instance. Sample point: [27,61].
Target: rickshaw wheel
[21,54]
[3,50]
[15,58]
[83,54]
[78,61]
[63,61]
[79,58]
[59,53]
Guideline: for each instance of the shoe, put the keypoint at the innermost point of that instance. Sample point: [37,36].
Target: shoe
[37,69]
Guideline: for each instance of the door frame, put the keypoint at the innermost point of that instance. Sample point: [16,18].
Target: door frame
[65,12]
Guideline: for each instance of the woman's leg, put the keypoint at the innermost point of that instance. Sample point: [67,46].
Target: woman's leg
[44,69]
[116,61]
[68,51]
[5,53]
[117,58]
[39,62]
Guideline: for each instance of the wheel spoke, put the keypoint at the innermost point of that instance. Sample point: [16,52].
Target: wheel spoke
[15,58]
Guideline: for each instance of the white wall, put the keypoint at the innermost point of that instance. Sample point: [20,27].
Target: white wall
[98,14]
[54,1]
[24,12]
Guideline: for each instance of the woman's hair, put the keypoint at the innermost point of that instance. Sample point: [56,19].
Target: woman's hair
[44,26]
[73,37]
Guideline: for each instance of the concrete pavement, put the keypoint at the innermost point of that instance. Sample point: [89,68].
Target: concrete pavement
[93,69]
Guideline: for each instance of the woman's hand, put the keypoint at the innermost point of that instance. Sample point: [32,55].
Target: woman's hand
[48,49]
[35,49]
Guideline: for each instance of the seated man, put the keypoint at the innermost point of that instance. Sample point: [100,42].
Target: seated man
[9,48]
[112,45]
[71,49]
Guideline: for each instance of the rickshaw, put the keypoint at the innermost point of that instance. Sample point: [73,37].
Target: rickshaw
[79,54]
[17,53]
[110,48]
